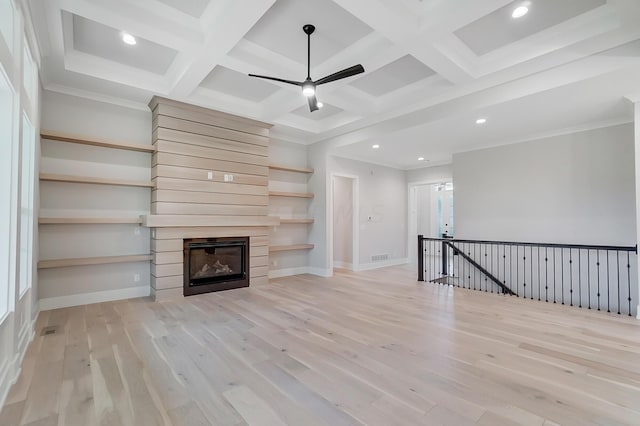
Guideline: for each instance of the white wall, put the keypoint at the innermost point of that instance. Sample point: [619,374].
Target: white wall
[576,188]
[92,119]
[435,174]
[382,195]
[16,328]
[342,222]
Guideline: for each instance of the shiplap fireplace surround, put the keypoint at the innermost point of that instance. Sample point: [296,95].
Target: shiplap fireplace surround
[210,173]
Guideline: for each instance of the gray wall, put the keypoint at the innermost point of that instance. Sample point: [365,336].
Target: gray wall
[576,188]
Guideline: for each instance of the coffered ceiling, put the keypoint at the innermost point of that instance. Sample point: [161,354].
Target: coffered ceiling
[432,66]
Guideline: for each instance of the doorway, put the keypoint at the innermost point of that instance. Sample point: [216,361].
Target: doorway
[344,222]
[430,213]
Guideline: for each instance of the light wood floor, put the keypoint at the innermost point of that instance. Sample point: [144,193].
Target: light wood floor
[371,348]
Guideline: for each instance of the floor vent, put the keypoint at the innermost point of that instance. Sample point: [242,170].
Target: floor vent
[379,257]
[49,330]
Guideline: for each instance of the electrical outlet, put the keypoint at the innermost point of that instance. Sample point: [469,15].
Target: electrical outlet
[228,178]
[210,175]
[136,278]
[136,230]
[274,263]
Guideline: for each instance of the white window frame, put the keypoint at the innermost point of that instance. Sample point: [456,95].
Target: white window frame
[28,147]
[9,200]
[8,12]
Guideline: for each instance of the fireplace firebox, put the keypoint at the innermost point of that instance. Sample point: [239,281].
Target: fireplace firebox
[215,264]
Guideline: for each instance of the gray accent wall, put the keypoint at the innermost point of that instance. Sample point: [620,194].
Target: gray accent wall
[575,188]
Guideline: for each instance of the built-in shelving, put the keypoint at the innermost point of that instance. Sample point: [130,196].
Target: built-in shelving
[290,194]
[83,261]
[87,220]
[94,180]
[291,247]
[66,137]
[290,169]
[296,221]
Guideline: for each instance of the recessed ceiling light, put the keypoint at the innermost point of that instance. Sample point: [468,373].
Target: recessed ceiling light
[128,39]
[519,12]
[376,146]
[319,104]
[481,120]
[420,158]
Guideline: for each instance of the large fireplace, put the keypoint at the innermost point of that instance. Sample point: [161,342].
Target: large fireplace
[214,264]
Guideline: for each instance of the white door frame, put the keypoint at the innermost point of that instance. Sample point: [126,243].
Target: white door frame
[412,220]
[355,244]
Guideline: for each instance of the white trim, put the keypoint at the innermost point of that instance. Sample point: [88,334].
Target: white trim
[384,264]
[94,96]
[326,273]
[95,297]
[343,265]
[287,272]
[16,364]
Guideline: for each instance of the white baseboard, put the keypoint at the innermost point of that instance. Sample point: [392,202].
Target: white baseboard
[384,264]
[343,265]
[95,297]
[11,369]
[321,272]
[287,272]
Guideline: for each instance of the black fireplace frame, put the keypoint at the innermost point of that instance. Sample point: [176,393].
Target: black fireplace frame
[226,284]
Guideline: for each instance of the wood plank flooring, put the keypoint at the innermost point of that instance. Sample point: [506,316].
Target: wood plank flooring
[372,348]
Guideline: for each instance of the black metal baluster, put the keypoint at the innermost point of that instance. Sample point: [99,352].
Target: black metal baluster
[517,269]
[554,275]
[618,268]
[629,282]
[579,280]
[608,286]
[570,278]
[469,266]
[589,276]
[504,266]
[546,275]
[524,271]
[562,272]
[598,272]
[491,263]
[538,273]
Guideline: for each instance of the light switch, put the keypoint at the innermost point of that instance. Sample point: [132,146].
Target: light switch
[210,175]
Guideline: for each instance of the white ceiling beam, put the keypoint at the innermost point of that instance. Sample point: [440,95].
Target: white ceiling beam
[228,29]
[104,69]
[476,96]
[404,30]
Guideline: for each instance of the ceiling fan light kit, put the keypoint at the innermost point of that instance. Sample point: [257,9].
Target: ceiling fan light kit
[308,85]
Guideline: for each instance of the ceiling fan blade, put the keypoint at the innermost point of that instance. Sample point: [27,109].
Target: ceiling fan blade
[282,80]
[313,103]
[348,72]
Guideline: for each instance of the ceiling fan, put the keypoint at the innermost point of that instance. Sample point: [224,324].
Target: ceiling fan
[308,85]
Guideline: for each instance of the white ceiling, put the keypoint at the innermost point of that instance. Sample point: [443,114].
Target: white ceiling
[432,66]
